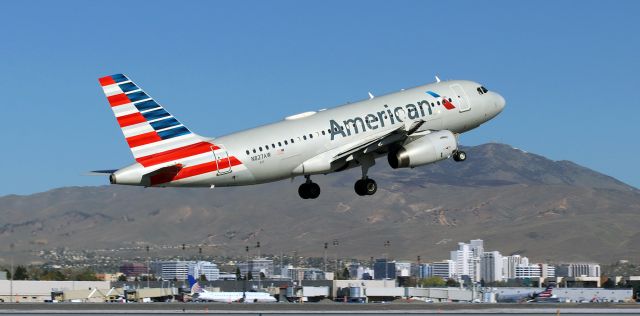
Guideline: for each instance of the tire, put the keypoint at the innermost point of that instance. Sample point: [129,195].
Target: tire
[360,187]
[371,187]
[303,191]
[313,190]
[462,156]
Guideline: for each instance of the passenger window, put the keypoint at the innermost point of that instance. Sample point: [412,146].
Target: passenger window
[304,137]
[279,144]
[323,132]
[254,150]
[292,141]
[273,145]
[248,152]
[260,148]
[286,143]
[438,102]
[310,135]
[450,100]
[432,105]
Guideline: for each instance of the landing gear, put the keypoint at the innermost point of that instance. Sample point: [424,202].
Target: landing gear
[309,190]
[365,187]
[459,156]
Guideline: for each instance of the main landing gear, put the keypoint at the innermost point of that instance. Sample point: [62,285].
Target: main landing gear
[366,186]
[309,189]
[459,155]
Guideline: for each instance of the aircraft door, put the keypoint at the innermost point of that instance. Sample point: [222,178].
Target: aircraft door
[222,160]
[463,99]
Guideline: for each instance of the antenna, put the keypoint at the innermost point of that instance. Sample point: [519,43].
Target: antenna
[371,96]
[437,78]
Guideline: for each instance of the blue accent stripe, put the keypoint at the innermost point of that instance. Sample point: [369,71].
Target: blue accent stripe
[165,123]
[175,132]
[146,105]
[129,86]
[137,96]
[156,114]
[433,94]
[119,78]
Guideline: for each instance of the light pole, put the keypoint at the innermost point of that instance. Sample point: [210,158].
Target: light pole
[12,273]
[336,243]
[246,277]
[260,270]
[148,272]
[386,261]
[326,245]
[419,269]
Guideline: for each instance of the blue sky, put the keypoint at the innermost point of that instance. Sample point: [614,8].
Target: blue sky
[568,70]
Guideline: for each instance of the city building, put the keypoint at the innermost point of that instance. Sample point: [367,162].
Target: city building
[208,269]
[169,270]
[491,267]
[509,264]
[383,269]
[257,266]
[528,271]
[133,269]
[578,270]
[445,269]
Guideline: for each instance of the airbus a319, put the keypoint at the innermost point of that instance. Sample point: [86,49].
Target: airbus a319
[411,128]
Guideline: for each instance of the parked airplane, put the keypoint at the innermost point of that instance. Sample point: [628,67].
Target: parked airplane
[413,127]
[545,296]
[200,294]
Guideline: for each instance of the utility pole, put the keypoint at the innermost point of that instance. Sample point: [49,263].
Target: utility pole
[419,269]
[12,274]
[246,276]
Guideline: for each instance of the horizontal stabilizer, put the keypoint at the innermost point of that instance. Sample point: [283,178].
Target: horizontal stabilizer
[100,172]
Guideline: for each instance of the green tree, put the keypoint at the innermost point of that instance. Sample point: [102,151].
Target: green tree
[203,278]
[122,278]
[86,275]
[53,275]
[345,274]
[452,283]
[433,281]
[249,276]
[238,274]
[21,273]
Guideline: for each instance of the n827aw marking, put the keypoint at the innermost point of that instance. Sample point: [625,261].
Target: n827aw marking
[412,127]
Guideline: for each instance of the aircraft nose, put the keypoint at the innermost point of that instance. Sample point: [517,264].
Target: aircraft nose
[500,102]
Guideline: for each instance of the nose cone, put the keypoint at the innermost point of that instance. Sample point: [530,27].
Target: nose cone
[500,103]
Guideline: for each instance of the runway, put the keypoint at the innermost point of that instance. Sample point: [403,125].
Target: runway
[316,309]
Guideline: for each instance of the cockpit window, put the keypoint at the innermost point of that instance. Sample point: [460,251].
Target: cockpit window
[479,91]
[484,89]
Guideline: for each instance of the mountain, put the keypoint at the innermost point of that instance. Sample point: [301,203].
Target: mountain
[516,201]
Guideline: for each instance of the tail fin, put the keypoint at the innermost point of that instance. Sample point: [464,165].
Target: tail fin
[147,127]
[193,284]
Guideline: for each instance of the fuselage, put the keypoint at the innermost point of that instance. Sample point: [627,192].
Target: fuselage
[279,150]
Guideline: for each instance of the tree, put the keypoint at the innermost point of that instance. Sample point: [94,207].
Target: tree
[433,281]
[53,275]
[262,276]
[609,284]
[238,274]
[203,278]
[345,274]
[452,283]
[86,275]
[122,278]
[21,273]
[249,276]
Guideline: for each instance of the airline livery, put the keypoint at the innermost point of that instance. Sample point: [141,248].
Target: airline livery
[412,127]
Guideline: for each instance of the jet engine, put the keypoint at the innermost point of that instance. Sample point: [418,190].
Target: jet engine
[427,149]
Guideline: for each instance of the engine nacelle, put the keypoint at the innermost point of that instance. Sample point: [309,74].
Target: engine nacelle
[427,149]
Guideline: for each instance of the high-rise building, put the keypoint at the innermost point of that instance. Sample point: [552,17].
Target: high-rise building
[528,271]
[477,247]
[383,269]
[491,266]
[445,269]
[256,266]
[462,257]
[578,269]
[509,264]
[208,269]
[169,270]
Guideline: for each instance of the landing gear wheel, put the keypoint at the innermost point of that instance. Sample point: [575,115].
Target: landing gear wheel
[303,192]
[365,187]
[309,190]
[459,156]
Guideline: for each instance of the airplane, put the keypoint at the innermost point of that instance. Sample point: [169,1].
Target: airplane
[545,296]
[412,127]
[200,294]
